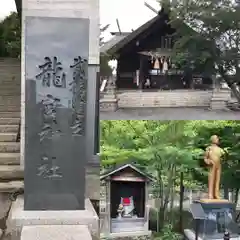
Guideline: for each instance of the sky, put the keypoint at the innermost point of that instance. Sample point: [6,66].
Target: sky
[6,7]
[130,13]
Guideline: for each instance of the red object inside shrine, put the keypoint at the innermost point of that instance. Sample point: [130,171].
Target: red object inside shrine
[126,201]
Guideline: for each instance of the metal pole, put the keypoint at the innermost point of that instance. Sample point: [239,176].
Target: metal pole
[181,203]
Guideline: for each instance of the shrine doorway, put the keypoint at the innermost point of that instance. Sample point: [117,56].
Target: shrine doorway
[125,190]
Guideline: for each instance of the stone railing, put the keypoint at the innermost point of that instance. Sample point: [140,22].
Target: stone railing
[109,101]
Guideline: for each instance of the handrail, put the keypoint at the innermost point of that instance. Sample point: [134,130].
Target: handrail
[103,85]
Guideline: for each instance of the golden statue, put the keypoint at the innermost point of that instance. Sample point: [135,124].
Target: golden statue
[212,158]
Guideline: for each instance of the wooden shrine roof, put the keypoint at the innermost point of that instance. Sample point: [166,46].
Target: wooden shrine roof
[123,167]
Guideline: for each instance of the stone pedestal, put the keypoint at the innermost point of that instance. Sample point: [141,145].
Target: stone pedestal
[53,232]
[219,99]
[109,103]
[22,224]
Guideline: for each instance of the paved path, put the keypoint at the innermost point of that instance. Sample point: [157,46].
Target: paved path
[170,114]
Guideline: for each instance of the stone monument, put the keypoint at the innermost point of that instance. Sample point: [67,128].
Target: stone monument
[60,61]
[212,158]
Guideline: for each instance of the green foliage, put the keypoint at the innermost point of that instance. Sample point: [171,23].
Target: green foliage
[10,36]
[167,233]
[208,41]
[164,149]
[105,69]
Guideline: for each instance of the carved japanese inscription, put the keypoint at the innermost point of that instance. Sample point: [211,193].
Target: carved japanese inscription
[79,93]
[50,124]
[52,73]
[49,168]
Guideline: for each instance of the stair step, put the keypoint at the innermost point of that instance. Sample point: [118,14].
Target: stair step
[9,98]
[12,92]
[8,137]
[9,147]
[8,128]
[9,120]
[11,172]
[10,108]
[12,186]
[9,159]
[16,114]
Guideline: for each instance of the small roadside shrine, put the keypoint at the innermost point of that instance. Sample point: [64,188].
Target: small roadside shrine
[124,208]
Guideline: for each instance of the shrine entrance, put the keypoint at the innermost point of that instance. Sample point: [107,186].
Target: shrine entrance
[127,208]
[123,192]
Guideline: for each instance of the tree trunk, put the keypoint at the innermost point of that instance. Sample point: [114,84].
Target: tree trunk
[226,192]
[165,199]
[235,91]
[236,196]
[231,84]
[173,196]
[181,203]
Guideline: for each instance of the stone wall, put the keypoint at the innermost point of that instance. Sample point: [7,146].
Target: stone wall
[178,98]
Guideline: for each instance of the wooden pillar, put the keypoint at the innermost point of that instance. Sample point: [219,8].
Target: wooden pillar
[141,74]
[117,74]
[108,206]
[146,215]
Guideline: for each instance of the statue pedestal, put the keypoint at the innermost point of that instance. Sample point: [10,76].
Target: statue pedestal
[206,200]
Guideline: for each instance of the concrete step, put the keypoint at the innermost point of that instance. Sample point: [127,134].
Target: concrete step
[9,159]
[9,147]
[11,92]
[4,99]
[5,88]
[10,108]
[10,114]
[9,120]
[8,137]
[14,172]
[8,129]
[11,186]
[10,98]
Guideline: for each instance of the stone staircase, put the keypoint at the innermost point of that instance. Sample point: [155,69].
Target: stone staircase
[11,175]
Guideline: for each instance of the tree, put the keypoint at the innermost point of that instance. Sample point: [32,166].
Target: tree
[10,36]
[161,148]
[105,69]
[209,37]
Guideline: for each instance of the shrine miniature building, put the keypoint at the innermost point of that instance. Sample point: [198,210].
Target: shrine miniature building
[124,206]
[212,219]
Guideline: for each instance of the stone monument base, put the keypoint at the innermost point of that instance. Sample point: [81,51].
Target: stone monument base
[22,224]
[123,235]
[207,200]
[219,100]
[108,105]
[52,232]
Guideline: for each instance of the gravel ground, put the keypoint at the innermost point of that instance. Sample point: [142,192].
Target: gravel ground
[170,114]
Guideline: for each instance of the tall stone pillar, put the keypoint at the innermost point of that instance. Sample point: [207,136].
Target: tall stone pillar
[60,61]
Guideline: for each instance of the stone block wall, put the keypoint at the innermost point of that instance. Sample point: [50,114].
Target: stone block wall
[138,99]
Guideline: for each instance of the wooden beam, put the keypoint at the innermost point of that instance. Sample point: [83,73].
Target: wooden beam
[19,6]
